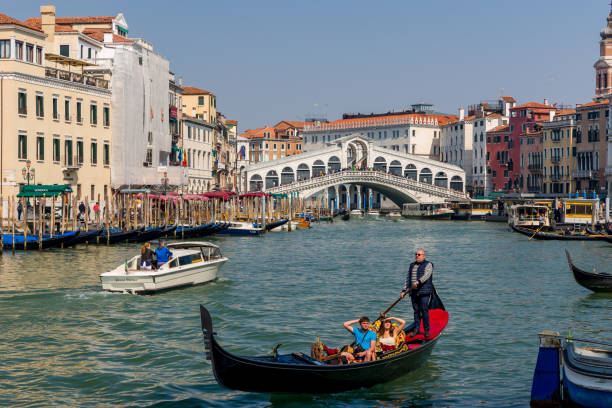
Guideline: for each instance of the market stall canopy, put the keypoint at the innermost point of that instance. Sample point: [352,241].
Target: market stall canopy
[257,194]
[224,195]
[44,190]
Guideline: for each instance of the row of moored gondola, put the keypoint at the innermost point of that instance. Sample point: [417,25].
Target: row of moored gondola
[104,237]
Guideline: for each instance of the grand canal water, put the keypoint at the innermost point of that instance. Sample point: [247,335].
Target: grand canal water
[64,342]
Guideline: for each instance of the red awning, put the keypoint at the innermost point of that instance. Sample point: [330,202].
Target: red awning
[224,195]
[257,194]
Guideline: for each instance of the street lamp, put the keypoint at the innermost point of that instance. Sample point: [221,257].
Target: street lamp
[164,181]
[27,172]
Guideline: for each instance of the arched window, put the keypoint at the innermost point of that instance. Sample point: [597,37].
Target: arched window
[287,176]
[410,172]
[456,183]
[318,168]
[395,168]
[255,184]
[303,172]
[271,179]
[441,180]
[333,164]
[380,164]
[426,176]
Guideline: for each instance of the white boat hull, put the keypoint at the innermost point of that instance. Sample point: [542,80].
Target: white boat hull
[144,282]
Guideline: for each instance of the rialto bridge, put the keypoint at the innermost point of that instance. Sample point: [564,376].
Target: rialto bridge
[353,172]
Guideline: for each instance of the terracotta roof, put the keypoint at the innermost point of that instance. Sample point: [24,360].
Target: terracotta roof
[257,133]
[563,112]
[231,122]
[192,90]
[7,20]
[74,20]
[594,103]
[508,99]
[502,128]
[533,105]
[98,35]
[386,119]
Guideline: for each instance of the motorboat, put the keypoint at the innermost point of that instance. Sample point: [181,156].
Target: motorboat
[430,211]
[529,215]
[241,228]
[357,212]
[373,212]
[285,226]
[394,215]
[191,263]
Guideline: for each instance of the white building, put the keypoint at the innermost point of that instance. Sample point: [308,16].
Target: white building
[411,132]
[456,143]
[198,140]
[242,161]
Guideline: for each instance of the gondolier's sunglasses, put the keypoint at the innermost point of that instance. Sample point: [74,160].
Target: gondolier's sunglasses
[417,254]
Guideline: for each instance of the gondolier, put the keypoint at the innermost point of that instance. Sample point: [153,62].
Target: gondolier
[419,285]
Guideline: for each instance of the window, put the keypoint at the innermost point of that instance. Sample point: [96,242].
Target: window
[79,112]
[106,116]
[40,111]
[68,159]
[65,50]
[106,153]
[29,53]
[94,153]
[19,50]
[82,51]
[89,53]
[56,150]
[67,110]
[200,100]
[150,137]
[40,148]
[93,114]
[22,106]
[55,110]
[22,147]
[5,49]
[79,152]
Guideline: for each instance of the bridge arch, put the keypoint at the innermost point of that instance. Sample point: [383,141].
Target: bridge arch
[395,167]
[441,179]
[410,171]
[271,179]
[287,176]
[318,168]
[380,163]
[255,183]
[333,164]
[425,176]
[303,172]
[456,183]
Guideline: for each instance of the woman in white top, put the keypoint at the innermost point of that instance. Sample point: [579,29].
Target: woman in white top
[387,334]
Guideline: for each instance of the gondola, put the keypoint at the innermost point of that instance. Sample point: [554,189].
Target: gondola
[346,216]
[114,237]
[603,237]
[273,224]
[82,237]
[149,234]
[190,232]
[552,236]
[33,241]
[597,282]
[608,228]
[300,373]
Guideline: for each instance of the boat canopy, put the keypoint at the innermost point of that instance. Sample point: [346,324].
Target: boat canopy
[193,244]
[44,190]
[257,194]
[225,195]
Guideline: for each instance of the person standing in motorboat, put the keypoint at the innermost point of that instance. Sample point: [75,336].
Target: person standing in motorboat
[420,286]
[146,256]
[162,253]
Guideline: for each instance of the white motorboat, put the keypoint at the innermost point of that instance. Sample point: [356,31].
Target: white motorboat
[191,263]
[394,215]
[357,212]
[373,213]
[241,228]
[285,227]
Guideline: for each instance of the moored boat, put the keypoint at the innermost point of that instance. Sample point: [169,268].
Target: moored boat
[529,215]
[537,234]
[301,373]
[357,212]
[394,215]
[114,236]
[191,263]
[10,241]
[597,282]
[372,212]
[430,211]
[241,228]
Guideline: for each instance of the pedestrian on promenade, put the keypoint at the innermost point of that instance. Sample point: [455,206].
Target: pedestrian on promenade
[19,210]
[97,212]
[419,285]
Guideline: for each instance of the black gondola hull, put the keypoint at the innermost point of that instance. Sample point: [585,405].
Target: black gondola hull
[597,282]
[548,236]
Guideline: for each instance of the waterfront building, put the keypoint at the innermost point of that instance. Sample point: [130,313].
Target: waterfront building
[456,144]
[559,153]
[531,152]
[232,139]
[175,102]
[242,161]
[275,142]
[198,139]
[56,120]
[497,157]
[415,131]
[603,88]
[591,146]
[200,104]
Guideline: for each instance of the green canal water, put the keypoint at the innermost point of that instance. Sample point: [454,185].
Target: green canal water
[63,342]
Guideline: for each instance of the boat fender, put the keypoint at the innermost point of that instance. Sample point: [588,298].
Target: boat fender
[546,385]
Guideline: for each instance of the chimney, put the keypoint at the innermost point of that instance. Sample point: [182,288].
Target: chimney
[461,113]
[181,81]
[47,14]
[545,101]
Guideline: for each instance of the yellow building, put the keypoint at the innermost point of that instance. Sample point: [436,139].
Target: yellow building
[200,104]
[559,153]
[53,117]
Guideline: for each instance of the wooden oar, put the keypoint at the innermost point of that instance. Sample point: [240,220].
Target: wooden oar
[383,314]
[534,234]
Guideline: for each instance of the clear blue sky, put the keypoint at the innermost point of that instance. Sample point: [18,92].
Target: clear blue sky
[272,60]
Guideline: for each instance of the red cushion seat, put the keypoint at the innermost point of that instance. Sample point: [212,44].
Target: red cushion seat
[438,319]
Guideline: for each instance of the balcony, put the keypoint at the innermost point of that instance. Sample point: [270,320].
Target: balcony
[556,177]
[555,159]
[583,174]
[555,139]
[76,77]
[534,167]
[72,163]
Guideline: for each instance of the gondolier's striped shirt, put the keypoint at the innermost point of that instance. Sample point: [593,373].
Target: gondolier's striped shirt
[412,275]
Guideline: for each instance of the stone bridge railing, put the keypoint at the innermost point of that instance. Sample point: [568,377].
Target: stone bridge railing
[366,176]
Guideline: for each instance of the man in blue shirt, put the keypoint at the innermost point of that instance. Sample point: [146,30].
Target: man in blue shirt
[365,340]
[162,253]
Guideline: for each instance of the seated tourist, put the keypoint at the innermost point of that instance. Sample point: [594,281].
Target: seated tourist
[387,334]
[146,256]
[162,253]
[365,340]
